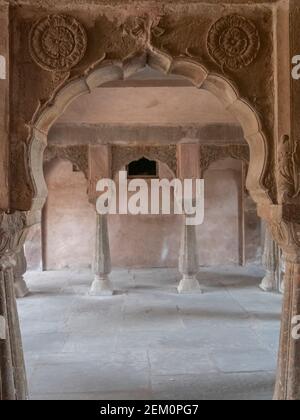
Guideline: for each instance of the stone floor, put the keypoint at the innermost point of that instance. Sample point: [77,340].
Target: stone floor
[147,342]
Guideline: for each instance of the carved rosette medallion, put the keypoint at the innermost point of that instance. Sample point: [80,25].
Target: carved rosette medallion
[57,42]
[233,42]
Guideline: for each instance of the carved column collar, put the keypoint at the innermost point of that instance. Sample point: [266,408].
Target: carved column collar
[12,235]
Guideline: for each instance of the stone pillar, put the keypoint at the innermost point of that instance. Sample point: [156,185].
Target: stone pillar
[288,372]
[13,383]
[100,167]
[188,261]
[21,289]
[12,366]
[271,263]
[189,168]
[102,285]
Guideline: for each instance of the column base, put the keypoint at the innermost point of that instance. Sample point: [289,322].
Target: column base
[189,285]
[101,286]
[268,283]
[21,289]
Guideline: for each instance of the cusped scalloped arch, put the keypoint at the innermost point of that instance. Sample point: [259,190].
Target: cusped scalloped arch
[107,71]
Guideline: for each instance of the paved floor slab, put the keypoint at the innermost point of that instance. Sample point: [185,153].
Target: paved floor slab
[148,342]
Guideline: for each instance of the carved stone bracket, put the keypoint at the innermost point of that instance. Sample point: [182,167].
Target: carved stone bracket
[123,155]
[210,154]
[77,155]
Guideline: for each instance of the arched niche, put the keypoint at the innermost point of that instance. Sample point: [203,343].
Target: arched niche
[123,155]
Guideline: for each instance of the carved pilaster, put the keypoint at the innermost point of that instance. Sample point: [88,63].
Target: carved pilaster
[288,373]
[12,368]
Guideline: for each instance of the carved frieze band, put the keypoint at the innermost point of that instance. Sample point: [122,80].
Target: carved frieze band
[57,42]
[77,155]
[211,153]
[123,155]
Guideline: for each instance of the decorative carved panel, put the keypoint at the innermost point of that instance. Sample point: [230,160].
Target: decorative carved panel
[78,155]
[142,28]
[122,155]
[233,42]
[57,42]
[289,168]
[210,154]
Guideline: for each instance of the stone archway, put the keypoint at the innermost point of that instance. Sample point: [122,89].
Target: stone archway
[108,71]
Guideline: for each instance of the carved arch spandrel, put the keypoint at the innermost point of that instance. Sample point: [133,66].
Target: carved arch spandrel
[107,71]
[212,153]
[77,155]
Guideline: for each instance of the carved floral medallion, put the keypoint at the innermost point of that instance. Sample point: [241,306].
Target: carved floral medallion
[57,42]
[233,42]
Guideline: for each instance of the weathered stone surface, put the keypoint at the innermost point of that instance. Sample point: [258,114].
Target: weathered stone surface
[238,47]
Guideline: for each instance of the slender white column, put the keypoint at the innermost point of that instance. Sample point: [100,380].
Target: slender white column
[102,285]
[188,261]
[282,266]
[21,289]
[271,263]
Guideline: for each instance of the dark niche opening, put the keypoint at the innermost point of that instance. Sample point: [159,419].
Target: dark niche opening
[143,168]
[76,168]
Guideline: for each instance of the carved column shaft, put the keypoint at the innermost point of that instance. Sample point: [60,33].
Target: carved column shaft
[188,261]
[188,168]
[102,264]
[288,373]
[13,229]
